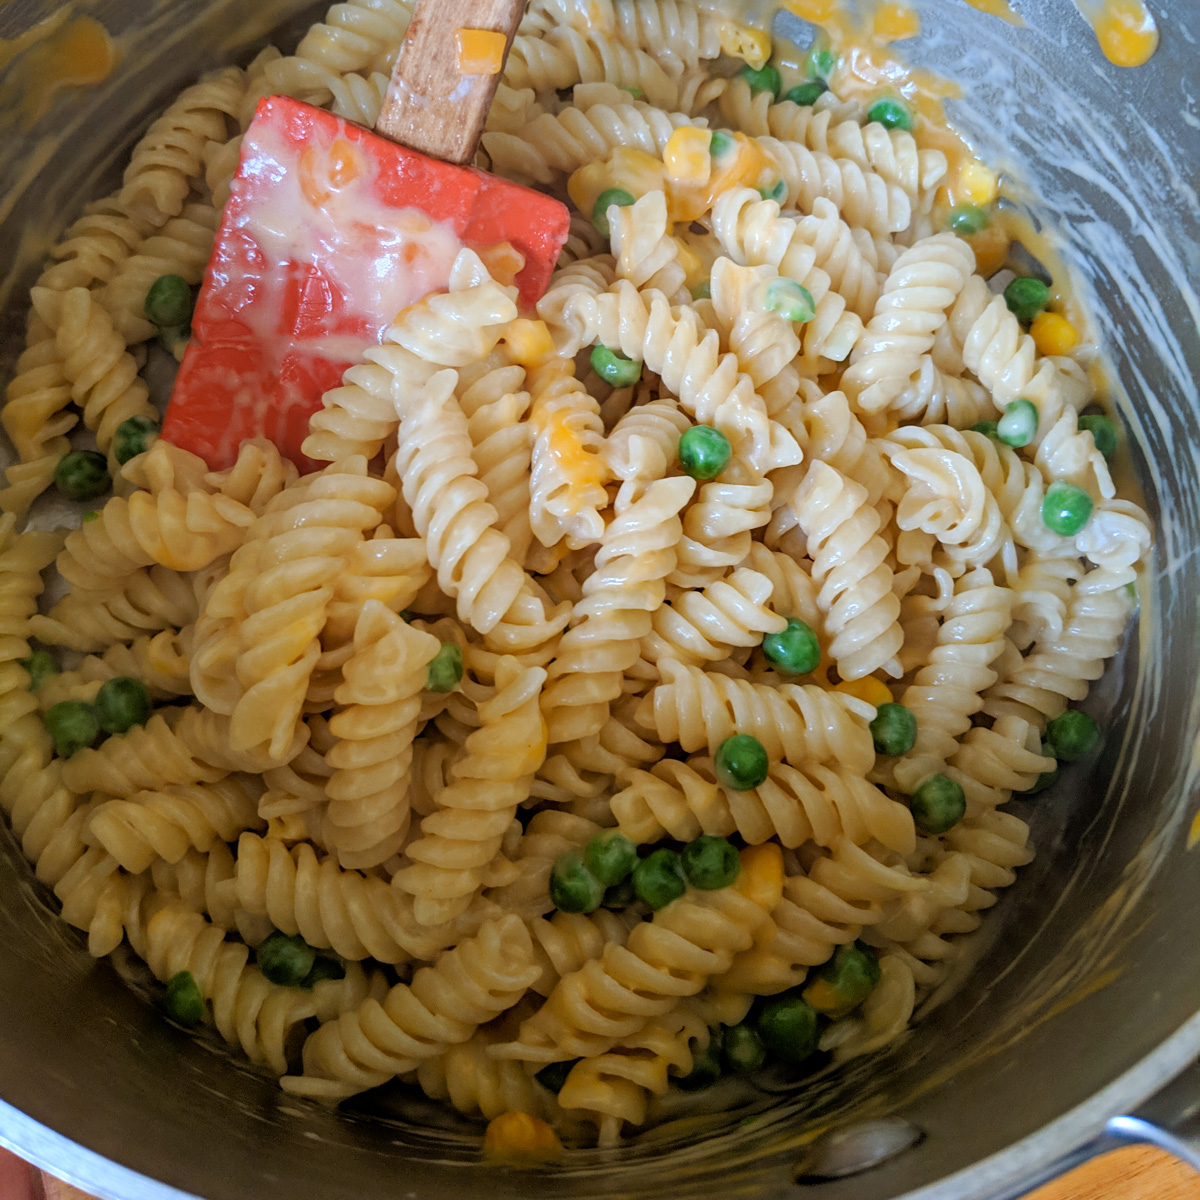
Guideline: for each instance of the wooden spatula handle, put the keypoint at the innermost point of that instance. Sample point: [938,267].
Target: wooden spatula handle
[430,105]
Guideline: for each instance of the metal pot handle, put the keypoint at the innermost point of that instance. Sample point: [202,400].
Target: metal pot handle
[1170,1119]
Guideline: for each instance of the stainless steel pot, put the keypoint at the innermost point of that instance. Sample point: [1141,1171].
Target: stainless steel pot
[1084,991]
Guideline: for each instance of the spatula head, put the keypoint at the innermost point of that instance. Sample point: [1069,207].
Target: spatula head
[329,233]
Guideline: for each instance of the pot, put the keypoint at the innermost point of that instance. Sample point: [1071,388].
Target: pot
[1079,1000]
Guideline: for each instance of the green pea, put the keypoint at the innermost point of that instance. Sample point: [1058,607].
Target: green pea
[134,436]
[73,726]
[777,192]
[89,516]
[710,863]
[620,895]
[554,1075]
[285,960]
[1103,431]
[891,114]
[894,730]
[446,670]
[741,762]
[791,300]
[607,198]
[1026,297]
[183,1002]
[122,703]
[704,452]
[573,888]
[789,1027]
[706,1066]
[721,143]
[703,290]
[40,665]
[795,649]
[966,219]
[635,92]
[610,856]
[82,475]
[1072,735]
[742,1049]
[762,79]
[806,94]
[658,879]
[844,982]
[1018,426]
[169,301]
[938,804]
[323,969]
[988,429]
[1044,780]
[1066,509]
[821,61]
[615,368]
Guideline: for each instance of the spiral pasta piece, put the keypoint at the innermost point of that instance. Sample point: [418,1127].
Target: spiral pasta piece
[667,958]
[247,1009]
[169,160]
[919,290]
[460,840]
[710,385]
[636,554]
[368,814]
[948,690]
[643,445]
[566,486]
[612,1089]
[357,916]
[476,1084]
[549,835]
[446,329]
[168,822]
[817,803]
[861,610]
[444,1005]
[564,942]
[705,626]
[148,600]
[181,247]
[646,253]
[701,709]
[863,197]
[555,144]
[93,247]
[752,230]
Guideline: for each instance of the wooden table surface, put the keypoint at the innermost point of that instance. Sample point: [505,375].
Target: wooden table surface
[1133,1173]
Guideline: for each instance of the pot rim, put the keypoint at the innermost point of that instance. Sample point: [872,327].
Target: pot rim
[1033,1160]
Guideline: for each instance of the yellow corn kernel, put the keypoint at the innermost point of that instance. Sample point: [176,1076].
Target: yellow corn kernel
[895,22]
[977,183]
[529,342]
[480,51]
[518,1136]
[1053,334]
[686,156]
[761,876]
[870,689]
[811,10]
[634,170]
[1127,33]
[753,46]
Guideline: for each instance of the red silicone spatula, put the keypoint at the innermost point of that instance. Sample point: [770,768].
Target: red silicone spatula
[330,231]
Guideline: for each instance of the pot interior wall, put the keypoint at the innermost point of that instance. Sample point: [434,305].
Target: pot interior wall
[1090,962]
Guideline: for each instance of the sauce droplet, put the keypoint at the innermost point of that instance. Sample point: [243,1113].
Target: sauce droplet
[895,22]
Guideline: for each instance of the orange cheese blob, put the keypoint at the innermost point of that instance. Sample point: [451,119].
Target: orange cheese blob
[516,1137]
[1126,32]
[816,11]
